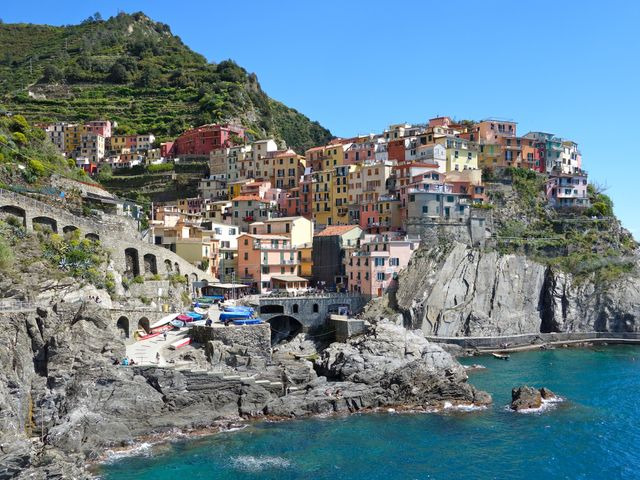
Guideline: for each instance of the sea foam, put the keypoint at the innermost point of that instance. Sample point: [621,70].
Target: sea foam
[250,463]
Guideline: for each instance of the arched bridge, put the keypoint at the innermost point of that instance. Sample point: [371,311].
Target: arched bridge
[309,311]
[131,256]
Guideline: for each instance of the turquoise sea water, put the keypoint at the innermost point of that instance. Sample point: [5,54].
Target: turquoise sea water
[594,434]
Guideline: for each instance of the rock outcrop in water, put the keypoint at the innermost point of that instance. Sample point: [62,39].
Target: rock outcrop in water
[529,398]
[469,292]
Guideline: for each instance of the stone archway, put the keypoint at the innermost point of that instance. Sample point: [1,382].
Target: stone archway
[176,267]
[69,229]
[144,324]
[168,266]
[45,222]
[132,262]
[194,277]
[12,211]
[284,327]
[150,264]
[94,237]
[123,326]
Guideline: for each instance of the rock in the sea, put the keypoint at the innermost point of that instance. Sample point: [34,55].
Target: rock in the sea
[526,398]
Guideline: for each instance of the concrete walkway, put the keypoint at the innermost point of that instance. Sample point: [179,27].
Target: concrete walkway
[144,352]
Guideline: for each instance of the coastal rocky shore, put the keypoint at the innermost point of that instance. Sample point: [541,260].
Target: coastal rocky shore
[64,402]
[461,291]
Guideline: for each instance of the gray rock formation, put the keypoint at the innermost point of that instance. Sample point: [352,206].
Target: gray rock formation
[468,292]
[528,398]
[62,400]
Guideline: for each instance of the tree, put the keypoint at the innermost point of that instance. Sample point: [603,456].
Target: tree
[118,74]
[52,74]
[97,17]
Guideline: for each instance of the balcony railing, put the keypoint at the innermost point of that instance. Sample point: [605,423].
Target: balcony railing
[263,246]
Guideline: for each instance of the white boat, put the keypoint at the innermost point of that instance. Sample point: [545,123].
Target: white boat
[500,356]
[163,321]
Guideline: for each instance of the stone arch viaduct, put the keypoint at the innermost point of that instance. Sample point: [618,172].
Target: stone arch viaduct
[130,254]
[309,311]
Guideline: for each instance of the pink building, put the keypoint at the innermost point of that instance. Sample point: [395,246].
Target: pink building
[99,127]
[565,190]
[376,263]
[266,258]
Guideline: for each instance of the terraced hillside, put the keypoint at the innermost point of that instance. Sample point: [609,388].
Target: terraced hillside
[135,71]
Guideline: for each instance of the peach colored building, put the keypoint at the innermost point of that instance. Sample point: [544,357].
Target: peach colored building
[376,263]
[262,257]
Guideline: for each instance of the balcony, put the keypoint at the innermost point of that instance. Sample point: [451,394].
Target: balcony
[247,219]
[266,246]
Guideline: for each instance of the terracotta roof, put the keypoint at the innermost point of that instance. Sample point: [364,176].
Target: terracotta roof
[409,165]
[315,149]
[336,230]
[254,198]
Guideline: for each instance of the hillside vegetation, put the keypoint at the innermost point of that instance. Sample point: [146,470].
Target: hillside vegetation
[28,158]
[589,243]
[135,71]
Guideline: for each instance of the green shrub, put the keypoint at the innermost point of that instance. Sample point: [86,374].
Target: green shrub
[138,279]
[176,279]
[19,124]
[161,167]
[37,168]
[19,138]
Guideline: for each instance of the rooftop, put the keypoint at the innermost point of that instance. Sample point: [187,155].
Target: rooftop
[248,198]
[334,230]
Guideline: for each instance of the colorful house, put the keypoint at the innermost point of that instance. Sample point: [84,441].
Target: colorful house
[375,264]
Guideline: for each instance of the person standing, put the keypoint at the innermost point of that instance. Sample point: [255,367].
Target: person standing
[158,358]
[164,334]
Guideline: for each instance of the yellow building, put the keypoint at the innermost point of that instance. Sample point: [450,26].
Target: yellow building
[340,194]
[333,155]
[323,198]
[462,154]
[285,169]
[490,155]
[306,260]
[73,137]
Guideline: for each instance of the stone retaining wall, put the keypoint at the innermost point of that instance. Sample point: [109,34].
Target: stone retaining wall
[255,338]
[510,341]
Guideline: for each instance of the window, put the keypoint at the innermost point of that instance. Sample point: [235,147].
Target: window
[246,255]
[394,262]
[425,209]
[315,308]
[379,261]
[232,231]
[380,276]
[450,198]
[246,241]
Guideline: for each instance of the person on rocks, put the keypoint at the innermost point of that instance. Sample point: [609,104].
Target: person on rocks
[164,334]
[208,322]
[158,358]
[132,362]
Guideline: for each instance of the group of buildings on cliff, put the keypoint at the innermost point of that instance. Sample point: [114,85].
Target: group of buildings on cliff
[346,215]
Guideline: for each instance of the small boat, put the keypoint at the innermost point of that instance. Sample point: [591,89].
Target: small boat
[163,321]
[237,308]
[177,323]
[247,321]
[184,318]
[195,315]
[501,356]
[237,315]
[202,311]
[183,342]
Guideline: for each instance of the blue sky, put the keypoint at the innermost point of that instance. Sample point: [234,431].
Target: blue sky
[566,67]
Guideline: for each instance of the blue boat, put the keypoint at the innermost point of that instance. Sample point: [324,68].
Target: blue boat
[195,316]
[177,323]
[238,315]
[247,321]
[238,308]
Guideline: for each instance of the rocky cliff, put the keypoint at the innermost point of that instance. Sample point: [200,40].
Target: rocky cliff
[461,291]
[62,401]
